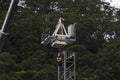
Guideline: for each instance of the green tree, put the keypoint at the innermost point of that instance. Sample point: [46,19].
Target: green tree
[26,58]
[7,63]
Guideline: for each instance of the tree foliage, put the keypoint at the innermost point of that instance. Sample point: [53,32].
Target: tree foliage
[97,45]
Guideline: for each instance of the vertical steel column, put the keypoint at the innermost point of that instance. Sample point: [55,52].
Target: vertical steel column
[65,56]
[58,72]
[74,62]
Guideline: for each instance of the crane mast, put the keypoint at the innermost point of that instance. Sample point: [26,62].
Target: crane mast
[6,23]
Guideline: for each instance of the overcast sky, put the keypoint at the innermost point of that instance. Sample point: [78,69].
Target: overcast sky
[115,3]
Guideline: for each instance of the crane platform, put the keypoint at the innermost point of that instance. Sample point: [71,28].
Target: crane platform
[60,37]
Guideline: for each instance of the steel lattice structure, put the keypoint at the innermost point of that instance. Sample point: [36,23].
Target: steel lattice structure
[67,71]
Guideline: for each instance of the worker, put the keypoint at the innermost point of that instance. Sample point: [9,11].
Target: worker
[60,30]
[59,59]
[70,60]
[71,57]
[61,20]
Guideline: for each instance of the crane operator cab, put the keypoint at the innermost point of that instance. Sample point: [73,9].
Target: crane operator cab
[60,37]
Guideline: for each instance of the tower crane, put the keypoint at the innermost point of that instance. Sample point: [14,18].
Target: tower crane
[65,59]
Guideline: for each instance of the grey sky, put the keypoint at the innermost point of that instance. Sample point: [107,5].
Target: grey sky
[115,3]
